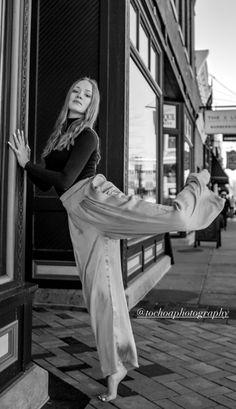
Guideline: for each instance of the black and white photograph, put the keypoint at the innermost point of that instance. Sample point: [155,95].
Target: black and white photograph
[117,204]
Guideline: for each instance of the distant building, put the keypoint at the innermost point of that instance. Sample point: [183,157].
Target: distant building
[205,90]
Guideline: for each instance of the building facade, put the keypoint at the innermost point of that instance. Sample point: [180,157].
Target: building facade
[141,52]
[142,55]
[22,383]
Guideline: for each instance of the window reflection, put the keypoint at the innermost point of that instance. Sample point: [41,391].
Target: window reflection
[169,171]
[133,25]
[153,65]
[143,45]
[187,160]
[142,137]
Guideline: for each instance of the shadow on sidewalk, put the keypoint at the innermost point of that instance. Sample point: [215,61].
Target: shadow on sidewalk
[64,396]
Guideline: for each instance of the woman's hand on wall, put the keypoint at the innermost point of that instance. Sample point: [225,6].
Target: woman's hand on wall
[20,147]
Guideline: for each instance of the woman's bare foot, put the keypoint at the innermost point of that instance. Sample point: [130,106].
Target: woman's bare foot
[112,384]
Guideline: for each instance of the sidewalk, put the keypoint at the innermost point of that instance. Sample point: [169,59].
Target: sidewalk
[184,363]
[203,275]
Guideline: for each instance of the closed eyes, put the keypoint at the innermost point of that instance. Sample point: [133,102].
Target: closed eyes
[88,95]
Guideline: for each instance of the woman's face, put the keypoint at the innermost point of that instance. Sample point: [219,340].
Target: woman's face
[80,99]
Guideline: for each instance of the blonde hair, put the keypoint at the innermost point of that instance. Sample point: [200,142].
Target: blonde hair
[59,139]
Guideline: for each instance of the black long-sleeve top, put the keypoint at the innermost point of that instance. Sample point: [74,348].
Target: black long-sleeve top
[66,167]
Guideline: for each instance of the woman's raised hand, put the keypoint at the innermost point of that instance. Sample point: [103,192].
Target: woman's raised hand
[20,147]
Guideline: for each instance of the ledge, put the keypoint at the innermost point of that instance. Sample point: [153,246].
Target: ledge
[29,391]
[142,284]
[137,289]
[19,291]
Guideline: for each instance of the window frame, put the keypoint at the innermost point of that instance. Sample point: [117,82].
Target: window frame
[188,138]
[5,79]
[142,20]
[144,73]
[183,13]
[15,73]
[152,245]
[177,133]
[142,26]
[171,133]
[137,25]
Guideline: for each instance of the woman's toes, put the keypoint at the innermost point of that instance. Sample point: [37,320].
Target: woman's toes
[102,398]
[112,383]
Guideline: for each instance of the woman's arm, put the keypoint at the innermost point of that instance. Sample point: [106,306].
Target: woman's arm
[39,183]
[84,146]
[23,153]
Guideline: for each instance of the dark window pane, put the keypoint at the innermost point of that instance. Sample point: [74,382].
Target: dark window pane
[143,45]
[133,25]
[169,171]
[153,63]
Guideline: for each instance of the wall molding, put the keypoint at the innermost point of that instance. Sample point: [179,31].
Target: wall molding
[8,345]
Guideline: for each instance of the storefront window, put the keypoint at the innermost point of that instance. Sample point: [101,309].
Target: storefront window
[169,171]
[143,41]
[133,25]
[187,160]
[142,137]
[188,143]
[143,45]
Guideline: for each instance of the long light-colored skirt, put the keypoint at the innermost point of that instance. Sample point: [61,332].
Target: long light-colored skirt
[99,215]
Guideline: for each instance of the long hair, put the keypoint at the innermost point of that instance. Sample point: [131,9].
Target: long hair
[61,139]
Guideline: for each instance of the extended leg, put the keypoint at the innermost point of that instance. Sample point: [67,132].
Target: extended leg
[121,216]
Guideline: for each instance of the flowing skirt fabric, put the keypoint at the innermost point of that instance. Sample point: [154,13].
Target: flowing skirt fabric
[99,215]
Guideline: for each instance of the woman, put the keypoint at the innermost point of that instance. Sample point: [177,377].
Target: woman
[99,215]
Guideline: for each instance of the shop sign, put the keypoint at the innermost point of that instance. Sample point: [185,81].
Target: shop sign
[229,138]
[220,122]
[169,116]
[231,160]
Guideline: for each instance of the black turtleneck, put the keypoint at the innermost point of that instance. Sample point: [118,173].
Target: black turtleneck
[66,167]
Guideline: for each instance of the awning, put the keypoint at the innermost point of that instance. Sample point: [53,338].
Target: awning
[218,175]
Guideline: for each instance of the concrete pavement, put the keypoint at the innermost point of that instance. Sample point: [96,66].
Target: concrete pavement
[203,275]
[187,359]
